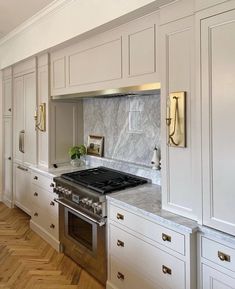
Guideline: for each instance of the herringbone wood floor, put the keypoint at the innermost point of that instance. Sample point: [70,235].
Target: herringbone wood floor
[28,262]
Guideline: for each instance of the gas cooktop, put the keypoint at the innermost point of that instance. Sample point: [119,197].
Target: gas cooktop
[104,180]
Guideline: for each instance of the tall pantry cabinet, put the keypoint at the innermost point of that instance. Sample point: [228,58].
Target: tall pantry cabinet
[24,133]
[7,136]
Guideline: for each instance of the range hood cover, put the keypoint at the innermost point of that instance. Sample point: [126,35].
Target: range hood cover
[145,89]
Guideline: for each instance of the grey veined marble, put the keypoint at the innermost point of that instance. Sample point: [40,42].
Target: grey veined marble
[130,126]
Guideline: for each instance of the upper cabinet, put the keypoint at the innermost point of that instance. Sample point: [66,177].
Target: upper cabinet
[218,110]
[24,133]
[124,56]
[7,92]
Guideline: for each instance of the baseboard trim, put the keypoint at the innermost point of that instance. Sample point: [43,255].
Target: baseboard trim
[45,235]
[110,286]
[7,202]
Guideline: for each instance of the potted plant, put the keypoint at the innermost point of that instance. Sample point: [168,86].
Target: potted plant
[75,154]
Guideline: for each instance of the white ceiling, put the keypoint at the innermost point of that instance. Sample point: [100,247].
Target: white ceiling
[15,12]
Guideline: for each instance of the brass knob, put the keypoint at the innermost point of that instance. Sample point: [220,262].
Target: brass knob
[120,216]
[52,226]
[35,214]
[166,238]
[9,158]
[120,243]
[52,203]
[35,178]
[9,109]
[120,276]
[35,194]
[166,270]
[52,185]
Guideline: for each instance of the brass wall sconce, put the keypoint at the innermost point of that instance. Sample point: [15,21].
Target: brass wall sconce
[40,117]
[176,119]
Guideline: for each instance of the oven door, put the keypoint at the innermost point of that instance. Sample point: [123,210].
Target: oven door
[83,238]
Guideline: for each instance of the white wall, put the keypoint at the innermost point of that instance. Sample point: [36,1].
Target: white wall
[64,20]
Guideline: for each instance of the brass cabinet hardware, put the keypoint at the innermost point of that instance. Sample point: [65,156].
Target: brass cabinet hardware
[120,216]
[35,178]
[52,226]
[176,119]
[166,238]
[21,141]
[52,185]
[9,158]
[166,270]
[35,214]
[35,194]
[22,168]
[120,243]
[120,276]
[52,203]
[9,109]
[224,257]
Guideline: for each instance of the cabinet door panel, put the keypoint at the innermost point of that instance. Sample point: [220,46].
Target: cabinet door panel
[218,110]
[30,145]
[18,115]
[213,279]
[99,63]
[22,188]
[7,161]
[7,97]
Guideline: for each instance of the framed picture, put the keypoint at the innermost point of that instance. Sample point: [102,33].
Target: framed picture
[95,145]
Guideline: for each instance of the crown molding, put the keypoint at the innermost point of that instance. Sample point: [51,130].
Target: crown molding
[52,8]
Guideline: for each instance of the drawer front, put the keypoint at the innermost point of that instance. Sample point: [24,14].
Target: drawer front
[44,200]
[42,181]
[159,266]
[157,233]
[218,253]
[123,277]
[48,223]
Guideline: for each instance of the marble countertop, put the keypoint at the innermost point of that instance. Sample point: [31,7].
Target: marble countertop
[146,200]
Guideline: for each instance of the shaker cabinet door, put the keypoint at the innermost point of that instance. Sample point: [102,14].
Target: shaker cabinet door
[7,97]
[218,110]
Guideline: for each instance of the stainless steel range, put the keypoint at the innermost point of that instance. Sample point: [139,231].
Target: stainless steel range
[82,214]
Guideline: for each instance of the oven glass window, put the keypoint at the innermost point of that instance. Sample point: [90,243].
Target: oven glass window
[80,230]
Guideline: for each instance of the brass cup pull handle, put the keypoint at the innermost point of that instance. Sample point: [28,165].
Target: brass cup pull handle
[224,257]
[35,178]
[120,216]
[120,276]
[120,243]
[52,226]
[166,270]
[35,214]
[166,238]
[35,194]
[52,203]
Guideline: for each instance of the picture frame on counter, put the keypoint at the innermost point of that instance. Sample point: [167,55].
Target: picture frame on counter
[95,145]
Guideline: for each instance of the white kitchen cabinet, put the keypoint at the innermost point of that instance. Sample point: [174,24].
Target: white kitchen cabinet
[213,279]
[24,124]
[7,92]
[124,56]
[22,188]
[145,254]
[7,162]
[181,177]
[45,216]
[218,108]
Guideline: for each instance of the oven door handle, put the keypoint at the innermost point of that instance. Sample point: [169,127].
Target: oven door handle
[102,222]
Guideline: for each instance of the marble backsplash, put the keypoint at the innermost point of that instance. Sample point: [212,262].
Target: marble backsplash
[130,126]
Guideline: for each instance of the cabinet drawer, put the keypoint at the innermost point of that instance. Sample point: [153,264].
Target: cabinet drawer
[123,277]
[48,223]
[218,253]
[160,267]
[157,233]
[42,181]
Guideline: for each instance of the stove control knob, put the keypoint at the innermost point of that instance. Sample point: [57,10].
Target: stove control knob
[89,202]
[69,192]
[84,200]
